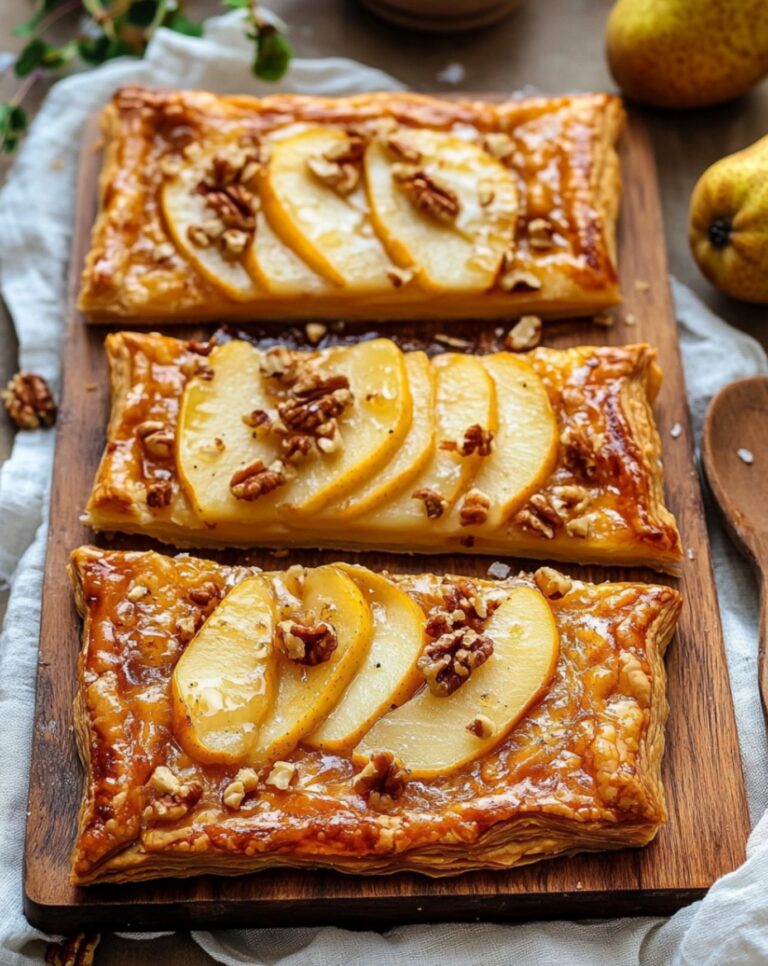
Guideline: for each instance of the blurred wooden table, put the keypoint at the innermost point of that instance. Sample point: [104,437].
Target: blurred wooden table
[552,47]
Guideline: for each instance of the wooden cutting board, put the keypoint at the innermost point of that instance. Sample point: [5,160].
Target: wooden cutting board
[708,819]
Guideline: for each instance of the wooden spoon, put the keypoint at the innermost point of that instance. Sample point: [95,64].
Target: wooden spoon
[734,451]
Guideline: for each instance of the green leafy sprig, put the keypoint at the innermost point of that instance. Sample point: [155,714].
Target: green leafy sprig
[116,28]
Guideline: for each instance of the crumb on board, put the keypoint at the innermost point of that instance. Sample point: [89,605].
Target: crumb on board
[745,455]
[676,431]
[641,285]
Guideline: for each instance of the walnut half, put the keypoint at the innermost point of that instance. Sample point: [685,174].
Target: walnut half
[254,480]
[382,780]
[449,661]
[309,644]
[29,401]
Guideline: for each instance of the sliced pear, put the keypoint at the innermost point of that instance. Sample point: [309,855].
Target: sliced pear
[225,681]
[430,735]
[306,695]
[371,431]
[330,232]
[389,675]
[183,206]
[277,268]
[416,450]
[525,448]
[465,396]
[464,254]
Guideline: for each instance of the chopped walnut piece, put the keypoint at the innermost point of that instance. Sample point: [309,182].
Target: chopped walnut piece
[552,583]
[604,319]
[499,146]
[295,448]
[315,402]
[174,797]
[525,334]
[281,775]
[579,526]
[464,604]
[199,236]
[234,242]
[157,441]
[581,445]
[342,176]
[348,151]
[204,594]
[400,276]
[309,644]
[78,950]
[427,193]
[447,662]
[516,279]
[254,480]
[233,794]
[477,440]
[159,493]
[233,206]
[434,504]
[202,348]
[474,508]
[402,150]
[315,331]
[540,516]
[540,233]
[137,592]
[382,780]
[29,402]
[482,727]
[280,363]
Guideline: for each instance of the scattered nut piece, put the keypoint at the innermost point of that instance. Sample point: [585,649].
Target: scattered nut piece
[137,592]
[604,320]
[315,331]
[482,727]
[254,480]
[164,781]
[435,504]
[540,233]
[641,286]
[690,553]
[448,662]
[499,146]
[204,594]
[427,193]
[234,242]
[552,583]
[579,526]
[516,280]
[343,177]
[199,236]
[474,508]
[477,440]
[403,150]
[29,402]
[452,341]
[630,319]
[233,794]
[159,493]
[400,276]
[309,644]
[382,780]
[280,363]
[525,334]
[281,775]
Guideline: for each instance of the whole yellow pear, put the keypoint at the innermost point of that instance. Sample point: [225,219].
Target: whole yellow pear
[728,225]
[687,53]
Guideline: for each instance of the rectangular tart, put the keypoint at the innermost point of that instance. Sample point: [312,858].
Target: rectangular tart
[547,454]
[383,205]
[379,746]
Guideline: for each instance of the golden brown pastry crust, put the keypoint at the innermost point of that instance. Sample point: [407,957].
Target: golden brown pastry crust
[609,461]
[580,772]
[565,161]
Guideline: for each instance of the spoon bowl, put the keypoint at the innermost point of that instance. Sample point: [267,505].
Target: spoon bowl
[734,454]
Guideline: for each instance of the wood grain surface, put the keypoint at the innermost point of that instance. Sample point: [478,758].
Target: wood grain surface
[708,823]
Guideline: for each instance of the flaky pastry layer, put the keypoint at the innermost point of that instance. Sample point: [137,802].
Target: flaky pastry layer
[562,156]
[602,503]
[581,771]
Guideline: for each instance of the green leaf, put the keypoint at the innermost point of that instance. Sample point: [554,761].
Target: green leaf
[96,50]
[13,123]
[273,53]
[39,54]
[141,13]
[183,25]
[236,4]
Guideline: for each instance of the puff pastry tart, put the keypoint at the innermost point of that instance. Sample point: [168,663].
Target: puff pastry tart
[553,453]
[375,206]
[232,720]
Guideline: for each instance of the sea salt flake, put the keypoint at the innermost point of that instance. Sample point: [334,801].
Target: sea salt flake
[745,455]
[499,570]
[676,431]
[453,73]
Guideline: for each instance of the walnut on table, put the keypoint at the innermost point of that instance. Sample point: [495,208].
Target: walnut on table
[29,402]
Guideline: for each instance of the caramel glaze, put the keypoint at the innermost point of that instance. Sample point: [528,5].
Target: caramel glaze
[564,161]
[585,759]
[600,395]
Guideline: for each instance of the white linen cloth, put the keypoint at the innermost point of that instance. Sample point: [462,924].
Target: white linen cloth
[36,208]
